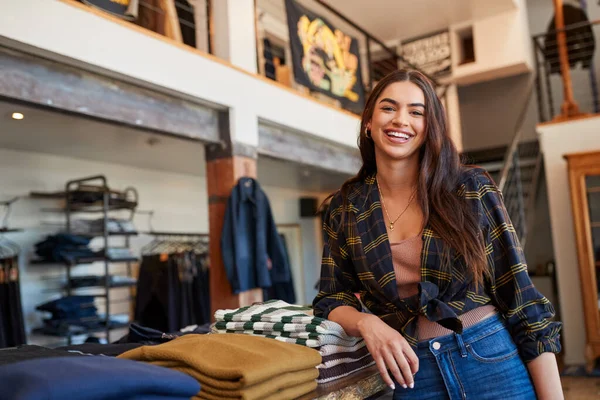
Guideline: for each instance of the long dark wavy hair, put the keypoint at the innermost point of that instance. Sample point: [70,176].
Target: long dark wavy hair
[448,215]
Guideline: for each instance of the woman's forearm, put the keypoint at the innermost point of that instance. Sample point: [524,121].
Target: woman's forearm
[546,378]
[350,319]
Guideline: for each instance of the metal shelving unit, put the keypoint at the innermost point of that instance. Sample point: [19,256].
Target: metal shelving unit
[104,206]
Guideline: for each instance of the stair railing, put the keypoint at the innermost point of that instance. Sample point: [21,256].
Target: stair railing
[510,181]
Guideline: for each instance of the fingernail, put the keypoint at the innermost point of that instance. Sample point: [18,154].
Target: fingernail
[404,386]
[412,385]
[393,386]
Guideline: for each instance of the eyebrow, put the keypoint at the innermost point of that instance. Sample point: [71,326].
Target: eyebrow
[394,102]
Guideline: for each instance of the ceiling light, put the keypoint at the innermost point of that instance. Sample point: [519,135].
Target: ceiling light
[17,115]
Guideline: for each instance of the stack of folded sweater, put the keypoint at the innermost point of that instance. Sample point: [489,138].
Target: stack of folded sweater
[49,375]
[237,366]
[341,354]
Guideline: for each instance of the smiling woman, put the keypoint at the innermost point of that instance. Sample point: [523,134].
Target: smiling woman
[398,123]
[428,244]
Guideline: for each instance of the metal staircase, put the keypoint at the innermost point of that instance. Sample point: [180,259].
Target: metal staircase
[517,171]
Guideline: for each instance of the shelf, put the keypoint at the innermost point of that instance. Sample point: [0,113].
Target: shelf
[92,208]
[595,224]
[113,326]
[194,234]
[47,195]
[84,260]
[100,234]
[111,286]
[86,189]
[9,230]
[593,189]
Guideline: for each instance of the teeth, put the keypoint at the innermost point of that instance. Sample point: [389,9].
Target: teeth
[399,135]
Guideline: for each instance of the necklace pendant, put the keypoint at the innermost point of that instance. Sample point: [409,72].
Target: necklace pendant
[391,226]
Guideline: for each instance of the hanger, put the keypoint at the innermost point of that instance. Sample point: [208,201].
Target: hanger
[176,242]
[8,248]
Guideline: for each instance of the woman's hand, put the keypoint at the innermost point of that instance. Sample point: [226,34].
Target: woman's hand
[389,350]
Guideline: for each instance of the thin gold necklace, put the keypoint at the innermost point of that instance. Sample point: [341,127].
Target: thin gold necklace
[412,196]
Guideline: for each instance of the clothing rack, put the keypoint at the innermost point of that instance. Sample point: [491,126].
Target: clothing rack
[12,327]
[7,204]
[93,195]
[173,286]
[188,234]
[176,242]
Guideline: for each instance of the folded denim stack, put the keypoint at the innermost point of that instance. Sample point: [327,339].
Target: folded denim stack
[96,226]
[148,336]
[237,366]
[72,315]
[118,253]
[63,247]
[90,195]
[276,319]
[99,280]
[70,307]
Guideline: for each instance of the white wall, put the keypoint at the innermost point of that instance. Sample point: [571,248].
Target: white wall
[489,112]
[502,47]
[179,201]
[557,140]
[60,27]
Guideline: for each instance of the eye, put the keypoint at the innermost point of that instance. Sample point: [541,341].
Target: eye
[387,108]
[419,113]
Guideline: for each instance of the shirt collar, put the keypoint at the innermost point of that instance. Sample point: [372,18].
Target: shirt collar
[248,187]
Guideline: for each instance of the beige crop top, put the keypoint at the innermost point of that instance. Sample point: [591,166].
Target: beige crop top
[406,256]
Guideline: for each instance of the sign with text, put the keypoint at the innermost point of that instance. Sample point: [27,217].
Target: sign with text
[431,53]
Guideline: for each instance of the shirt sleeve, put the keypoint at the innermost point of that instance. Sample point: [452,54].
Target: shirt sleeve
[528,313]
[338,281]
[228,244]
[280,272]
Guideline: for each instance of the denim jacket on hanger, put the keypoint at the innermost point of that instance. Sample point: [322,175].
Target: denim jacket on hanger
[250,238]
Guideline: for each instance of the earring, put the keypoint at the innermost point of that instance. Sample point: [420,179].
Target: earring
[368,133]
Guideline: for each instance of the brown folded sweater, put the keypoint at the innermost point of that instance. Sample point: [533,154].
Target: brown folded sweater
[228,361]
[270,387]
[285,394]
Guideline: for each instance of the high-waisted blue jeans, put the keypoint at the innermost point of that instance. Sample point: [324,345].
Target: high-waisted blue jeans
[481,363]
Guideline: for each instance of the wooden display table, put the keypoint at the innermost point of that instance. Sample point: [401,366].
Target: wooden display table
[361,385]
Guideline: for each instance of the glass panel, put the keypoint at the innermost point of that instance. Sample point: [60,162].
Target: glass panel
[592,184]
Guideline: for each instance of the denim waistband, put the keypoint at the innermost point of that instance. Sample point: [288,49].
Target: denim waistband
[473,333]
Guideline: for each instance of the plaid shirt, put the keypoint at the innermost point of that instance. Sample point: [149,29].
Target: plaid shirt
[358,259]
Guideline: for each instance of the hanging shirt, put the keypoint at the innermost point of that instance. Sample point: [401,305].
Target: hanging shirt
[250,239]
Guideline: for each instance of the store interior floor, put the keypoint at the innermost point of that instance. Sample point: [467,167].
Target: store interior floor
[581,388]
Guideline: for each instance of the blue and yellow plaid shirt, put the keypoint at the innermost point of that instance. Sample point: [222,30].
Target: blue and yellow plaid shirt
[358,259]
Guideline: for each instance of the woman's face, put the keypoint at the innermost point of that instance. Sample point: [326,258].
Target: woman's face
[398,122]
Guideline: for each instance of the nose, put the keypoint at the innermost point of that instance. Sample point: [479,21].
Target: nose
[400,119]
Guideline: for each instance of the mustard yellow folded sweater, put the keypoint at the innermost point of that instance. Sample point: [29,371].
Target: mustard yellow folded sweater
[270,388]
[233,362]
[285,394]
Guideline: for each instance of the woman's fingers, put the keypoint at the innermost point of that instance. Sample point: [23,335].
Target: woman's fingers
[392,365]
[404,367]
[383,370]
[412,359]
